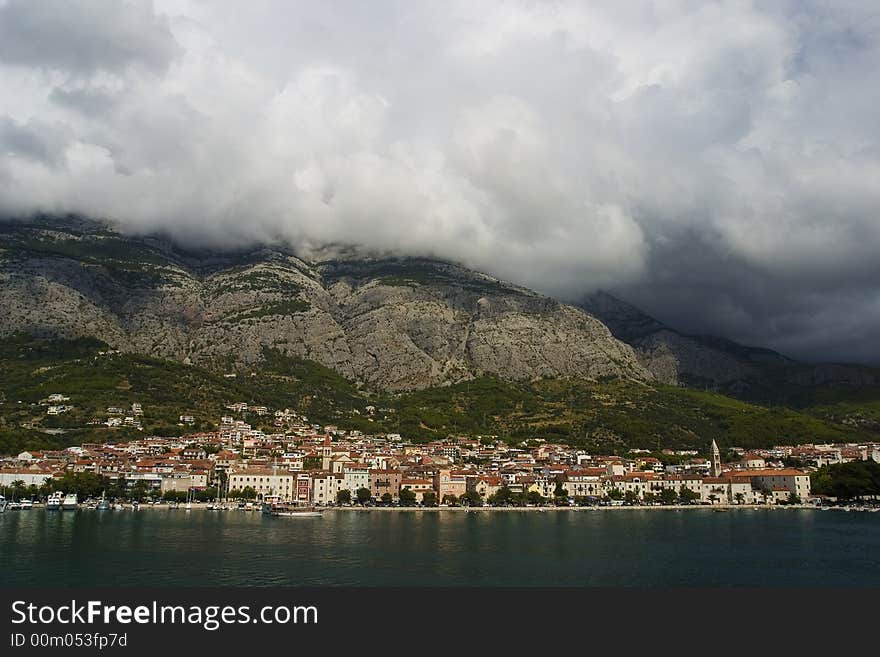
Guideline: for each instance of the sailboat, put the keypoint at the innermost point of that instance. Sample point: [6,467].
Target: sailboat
[189,496]
[103,504]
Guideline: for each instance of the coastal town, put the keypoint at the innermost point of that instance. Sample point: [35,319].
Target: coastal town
[308,464]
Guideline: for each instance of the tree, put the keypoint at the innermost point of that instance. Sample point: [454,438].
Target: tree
[18,487]
[249,493]
[363,495]
[429,498]
[171,496]
[472,498]
[560,490]
[534,498]
[668,496]
[740,498]
[630,497]
[793,498]
[210,493]
[387,499]
[343,496]
[407,497]
[138,491]
[223,479]
[649,498]
[312,463]
[687,496]
[82,484]
[845,481]
[501,497]
[615,494]
[450,500]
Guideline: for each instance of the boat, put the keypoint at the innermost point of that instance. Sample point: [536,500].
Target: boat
[70,503]
[103,504]
[53,503]
[27,504]
[3,504]
[13,506]
[283,510]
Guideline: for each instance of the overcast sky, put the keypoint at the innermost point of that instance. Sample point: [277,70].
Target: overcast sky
[717,164]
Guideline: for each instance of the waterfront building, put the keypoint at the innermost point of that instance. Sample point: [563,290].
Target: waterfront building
[355,477]
[385,481]
[265,481]
[419,486]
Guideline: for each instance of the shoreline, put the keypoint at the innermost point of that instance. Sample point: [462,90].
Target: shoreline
[480,509]
[531,509]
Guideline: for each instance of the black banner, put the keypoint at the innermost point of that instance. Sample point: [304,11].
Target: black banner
[457,621]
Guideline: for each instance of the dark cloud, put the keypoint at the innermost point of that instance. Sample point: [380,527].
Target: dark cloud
[35,141]
[716,163]
[84,36]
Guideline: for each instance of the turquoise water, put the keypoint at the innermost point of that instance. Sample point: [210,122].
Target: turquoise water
[617,548]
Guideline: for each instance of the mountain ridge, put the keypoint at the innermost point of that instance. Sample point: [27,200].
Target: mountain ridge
[712,362]
[394,323]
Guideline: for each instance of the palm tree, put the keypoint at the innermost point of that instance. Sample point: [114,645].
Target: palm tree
[18,487]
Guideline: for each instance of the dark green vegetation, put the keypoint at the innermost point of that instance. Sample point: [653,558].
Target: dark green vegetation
[607,417]
[32,369]
[847,481]
[610,417]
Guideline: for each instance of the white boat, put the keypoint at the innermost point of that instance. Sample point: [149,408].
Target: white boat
[103,504]
[69,503]
[13,506]
[3,504]
[27,504]
[54,502]
[282,510]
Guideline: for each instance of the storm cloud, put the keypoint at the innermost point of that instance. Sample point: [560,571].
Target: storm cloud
[716,163]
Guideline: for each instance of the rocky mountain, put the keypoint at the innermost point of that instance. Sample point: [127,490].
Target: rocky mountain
[712,362]
[390,323]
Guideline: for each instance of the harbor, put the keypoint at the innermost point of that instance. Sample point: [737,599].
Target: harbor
[636,547]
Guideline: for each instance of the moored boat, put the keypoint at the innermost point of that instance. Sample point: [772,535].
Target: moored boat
[282,510]
[54,501]
[69,503]
[27,504]
[3,504]
[103,504]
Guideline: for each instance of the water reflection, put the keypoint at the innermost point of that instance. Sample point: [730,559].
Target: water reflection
[635,548]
